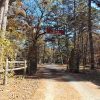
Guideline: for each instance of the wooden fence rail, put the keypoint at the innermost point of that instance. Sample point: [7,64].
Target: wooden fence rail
[7,69]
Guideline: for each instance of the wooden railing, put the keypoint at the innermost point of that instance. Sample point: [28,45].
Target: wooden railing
[7,69]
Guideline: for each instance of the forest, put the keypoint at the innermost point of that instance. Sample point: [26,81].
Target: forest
[49,49]
[51,31]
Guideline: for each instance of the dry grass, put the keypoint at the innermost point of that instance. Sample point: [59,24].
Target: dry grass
[18,89]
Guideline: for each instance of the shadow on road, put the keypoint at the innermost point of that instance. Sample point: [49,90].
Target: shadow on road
[60,74]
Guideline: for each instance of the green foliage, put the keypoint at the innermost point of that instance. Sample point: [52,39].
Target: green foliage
[7,48]
[9,45]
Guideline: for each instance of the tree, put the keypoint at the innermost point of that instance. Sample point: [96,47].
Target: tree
[10,37]
[90,35]
[3,15]
[79,26]
[35,18]
[1,12]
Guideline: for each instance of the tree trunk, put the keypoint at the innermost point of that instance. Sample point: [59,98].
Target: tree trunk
[72,61]
[43,54]
[1,14]
[3,19]
[1,3]
[4,22]
[90,35]
[77,61]
[32,59]
[75,26]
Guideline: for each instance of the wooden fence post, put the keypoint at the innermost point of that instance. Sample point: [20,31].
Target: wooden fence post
[6,73]
[25,68]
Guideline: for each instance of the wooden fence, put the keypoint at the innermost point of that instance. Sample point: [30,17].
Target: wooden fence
[7,69]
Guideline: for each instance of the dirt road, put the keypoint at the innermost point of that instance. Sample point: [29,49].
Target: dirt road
[51,82]
[53,86]
[64,86]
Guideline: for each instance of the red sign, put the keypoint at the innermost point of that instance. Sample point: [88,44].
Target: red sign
[50,30]
[53,31]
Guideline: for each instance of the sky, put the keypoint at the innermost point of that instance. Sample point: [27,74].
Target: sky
[95,6]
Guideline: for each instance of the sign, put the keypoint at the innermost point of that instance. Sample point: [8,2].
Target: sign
[50,30]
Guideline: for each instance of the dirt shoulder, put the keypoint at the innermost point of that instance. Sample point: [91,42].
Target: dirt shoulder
[19,89]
